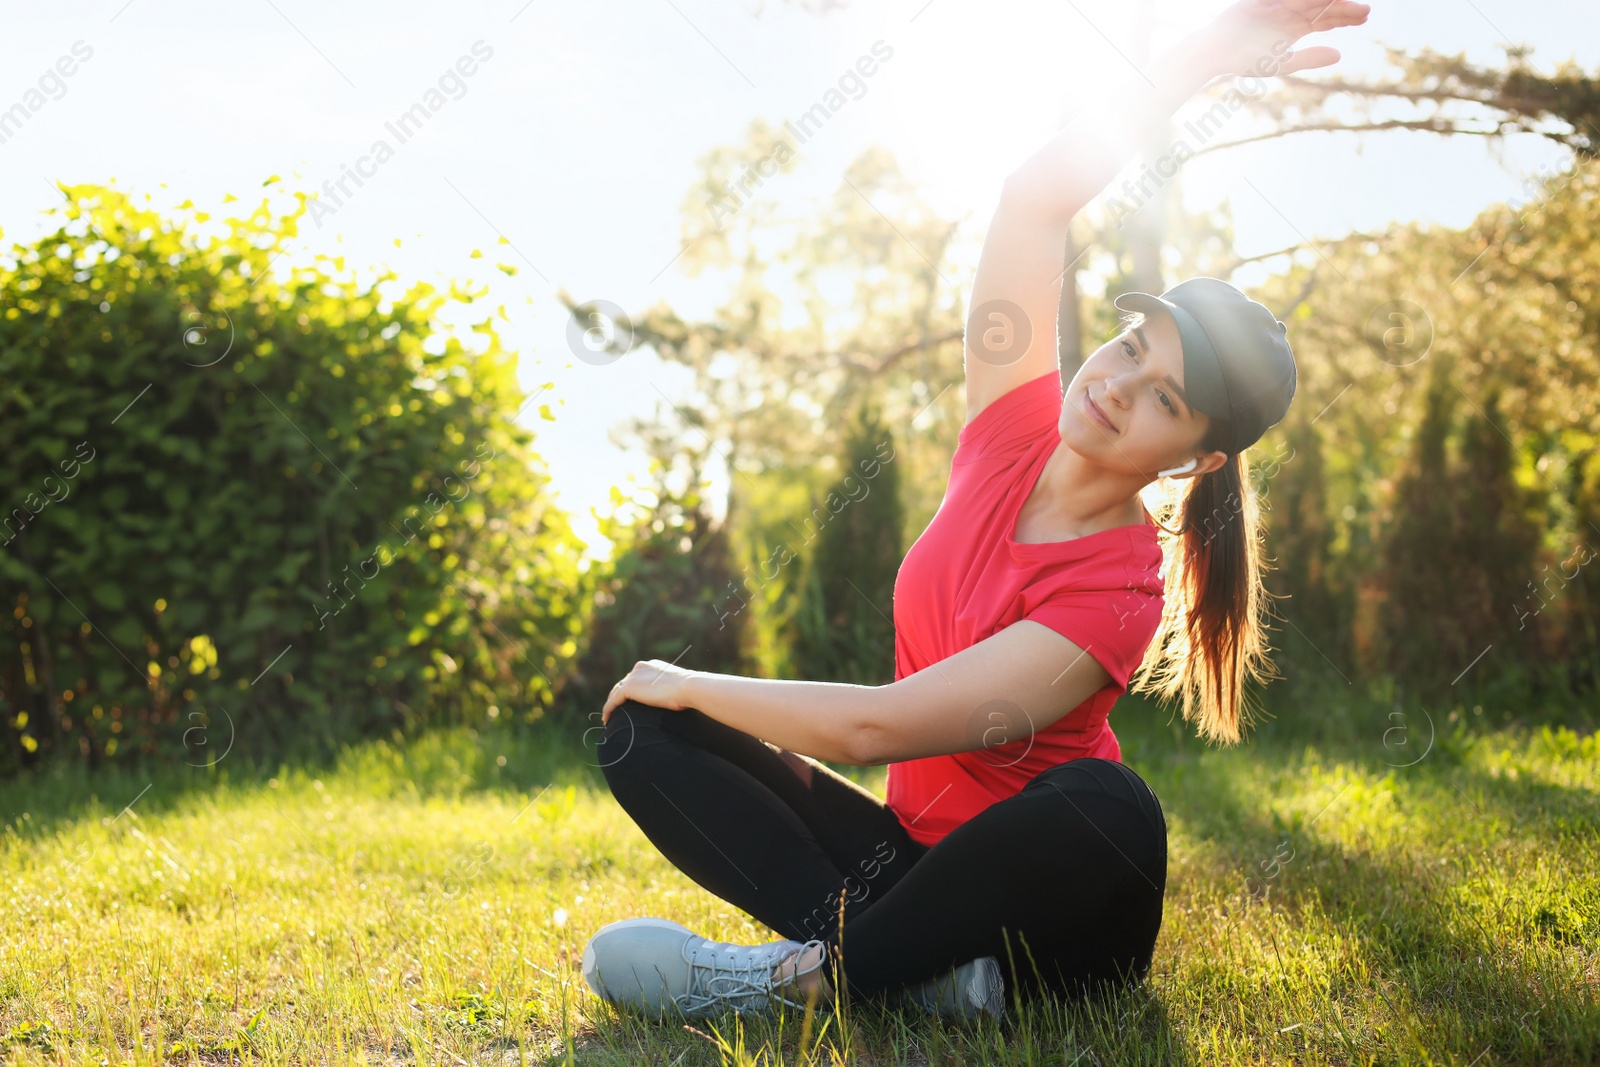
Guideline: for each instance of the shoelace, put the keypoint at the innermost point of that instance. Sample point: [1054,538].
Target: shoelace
[743,979]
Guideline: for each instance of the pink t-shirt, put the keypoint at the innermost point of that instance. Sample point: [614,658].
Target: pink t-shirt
[966,579]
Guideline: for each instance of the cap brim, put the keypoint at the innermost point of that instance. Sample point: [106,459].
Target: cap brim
[1145,302]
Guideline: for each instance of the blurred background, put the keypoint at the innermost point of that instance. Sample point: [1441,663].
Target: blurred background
[362,372]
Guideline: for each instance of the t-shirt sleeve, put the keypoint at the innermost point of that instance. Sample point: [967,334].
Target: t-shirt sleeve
[1013,421]
[1114,626]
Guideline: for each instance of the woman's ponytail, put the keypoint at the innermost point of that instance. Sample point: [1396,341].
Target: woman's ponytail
[1211,639]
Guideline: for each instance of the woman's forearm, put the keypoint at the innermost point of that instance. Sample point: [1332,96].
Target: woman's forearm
[823,720]
[1075,165]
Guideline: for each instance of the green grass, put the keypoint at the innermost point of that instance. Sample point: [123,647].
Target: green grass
[429,905]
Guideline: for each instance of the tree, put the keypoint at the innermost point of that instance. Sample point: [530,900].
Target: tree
[843,629]
[855,303]
[1462,545]
[1294,500]
[1461,99]
[1421,647]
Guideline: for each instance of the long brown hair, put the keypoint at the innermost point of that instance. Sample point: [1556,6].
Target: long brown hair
[1212,637]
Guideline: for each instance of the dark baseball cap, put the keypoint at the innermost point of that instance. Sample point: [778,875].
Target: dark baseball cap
[1237,364]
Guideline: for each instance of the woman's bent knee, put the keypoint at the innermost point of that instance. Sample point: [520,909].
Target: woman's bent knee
[630,721]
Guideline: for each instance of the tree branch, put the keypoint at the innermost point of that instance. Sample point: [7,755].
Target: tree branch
[1441,126]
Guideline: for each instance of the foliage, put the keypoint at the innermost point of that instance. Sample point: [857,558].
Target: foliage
[843,628]
[1463,406]
[1294,501]
[1461,545]
[249,511]
[1419,641]
[668,592]
[1444,94]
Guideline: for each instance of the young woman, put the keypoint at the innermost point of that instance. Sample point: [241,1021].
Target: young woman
[1014,846]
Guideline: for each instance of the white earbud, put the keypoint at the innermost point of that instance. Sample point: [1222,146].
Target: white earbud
[1185,469]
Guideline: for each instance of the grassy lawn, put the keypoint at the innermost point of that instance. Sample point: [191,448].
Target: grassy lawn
[1326,903]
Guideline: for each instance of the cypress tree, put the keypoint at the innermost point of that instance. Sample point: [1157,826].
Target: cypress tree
[1493,565]
[1415,628]
[843,629]
[1300,542]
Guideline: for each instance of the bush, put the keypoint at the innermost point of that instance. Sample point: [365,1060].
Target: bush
[239,511]
[668,592]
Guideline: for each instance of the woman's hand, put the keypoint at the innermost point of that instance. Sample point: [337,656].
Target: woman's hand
[652,681]
[1256,37]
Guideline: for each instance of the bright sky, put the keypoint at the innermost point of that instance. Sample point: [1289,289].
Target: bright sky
[575,134]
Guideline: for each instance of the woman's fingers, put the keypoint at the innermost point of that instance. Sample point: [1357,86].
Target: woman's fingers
[1334,12]
[1308,59]
[1343,13]
[1251,29]
[650,681]
[611,702]
[1313,16]
[617,694]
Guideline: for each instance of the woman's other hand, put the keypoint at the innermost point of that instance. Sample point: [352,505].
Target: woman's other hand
[1256,37]
[652,681]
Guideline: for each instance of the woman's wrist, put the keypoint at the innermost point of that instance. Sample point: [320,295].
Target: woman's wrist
[1070,169]
[1198,58]
[695,684]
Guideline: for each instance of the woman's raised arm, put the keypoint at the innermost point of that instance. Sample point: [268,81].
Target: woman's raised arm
[1253,38]
[1011,320]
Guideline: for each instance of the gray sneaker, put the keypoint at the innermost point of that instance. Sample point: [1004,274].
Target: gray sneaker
[970,991]
[659,967]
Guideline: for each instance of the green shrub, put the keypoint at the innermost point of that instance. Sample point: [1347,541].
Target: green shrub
[239,511]
[668,592]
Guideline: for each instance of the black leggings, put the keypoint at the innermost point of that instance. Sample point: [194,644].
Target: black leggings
[1063,882]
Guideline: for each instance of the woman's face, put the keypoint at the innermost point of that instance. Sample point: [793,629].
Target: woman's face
[1136,382]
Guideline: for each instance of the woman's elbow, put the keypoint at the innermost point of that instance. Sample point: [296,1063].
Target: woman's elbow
[867,744]
[865,732]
